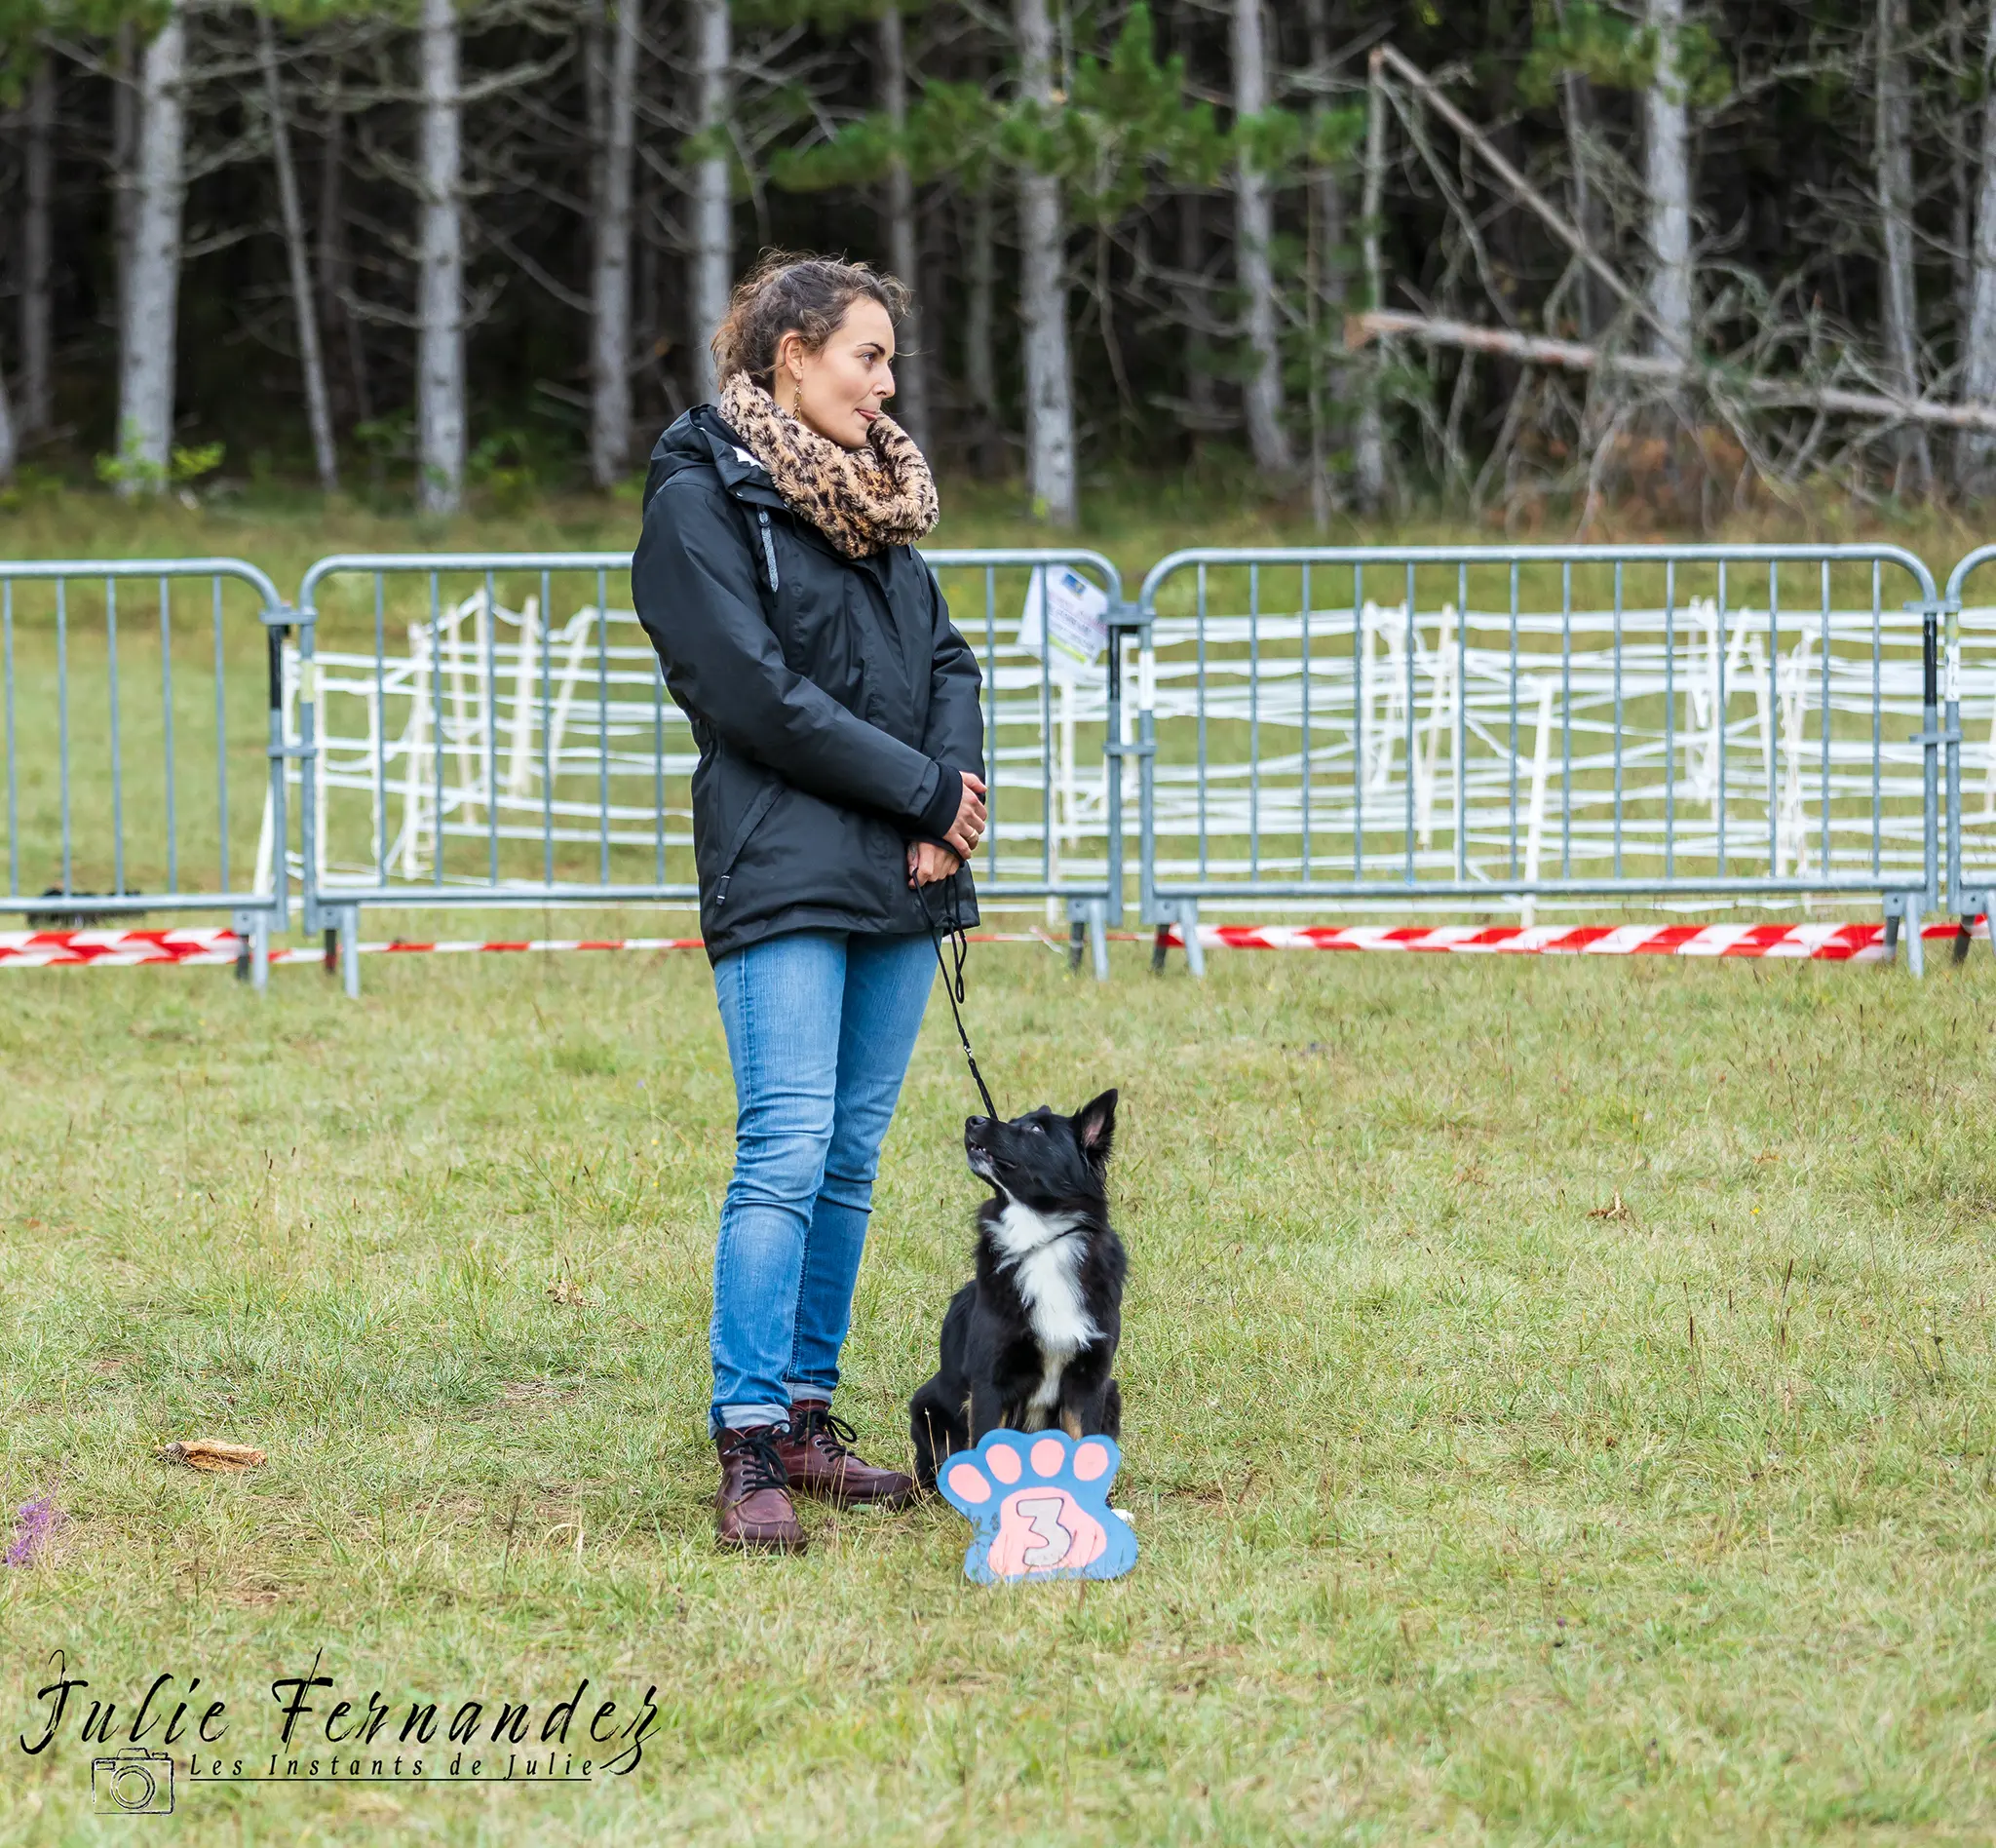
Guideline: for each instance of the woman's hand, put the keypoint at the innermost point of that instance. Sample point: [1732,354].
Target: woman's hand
[928,862]
[967,828]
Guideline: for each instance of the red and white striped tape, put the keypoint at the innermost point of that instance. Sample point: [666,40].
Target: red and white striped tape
[1815,943]
[131,950]
[126,949]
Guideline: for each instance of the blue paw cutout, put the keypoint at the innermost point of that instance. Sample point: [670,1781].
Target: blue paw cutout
[1039,1502]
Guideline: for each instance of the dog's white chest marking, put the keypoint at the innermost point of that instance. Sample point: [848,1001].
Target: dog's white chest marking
[1045,1264]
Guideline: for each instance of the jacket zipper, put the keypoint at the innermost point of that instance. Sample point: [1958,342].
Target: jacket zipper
[768,545]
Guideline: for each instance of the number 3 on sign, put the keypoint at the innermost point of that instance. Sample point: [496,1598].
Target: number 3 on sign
[1038,1504]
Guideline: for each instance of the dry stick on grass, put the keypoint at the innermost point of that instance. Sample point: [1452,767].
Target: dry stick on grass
[213,1455]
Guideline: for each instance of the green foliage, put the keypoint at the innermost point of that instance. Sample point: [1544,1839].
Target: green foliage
[1132,120]
[1129,122]
[1271,141]
[183,466]
[1614,52]
[1335,134]
[952,128]
[513,467]
[859,154]
[32,485]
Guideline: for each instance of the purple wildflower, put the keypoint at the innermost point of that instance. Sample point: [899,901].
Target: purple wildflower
[37,1521]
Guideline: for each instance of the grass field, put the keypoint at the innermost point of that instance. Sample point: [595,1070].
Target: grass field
[1135,520]
[1474,1506]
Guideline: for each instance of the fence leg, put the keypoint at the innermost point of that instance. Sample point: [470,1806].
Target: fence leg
[1088,919]
[1092,916]
[1184,912]
[1903,918]
[1188,928]
[343,946]
[350,950]
[1088,927]
[1974,904]
[252,959]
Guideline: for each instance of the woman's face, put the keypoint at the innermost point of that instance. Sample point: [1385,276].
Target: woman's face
[839,390]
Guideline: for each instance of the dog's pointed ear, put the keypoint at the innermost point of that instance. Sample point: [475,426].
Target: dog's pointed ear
[1094,1127]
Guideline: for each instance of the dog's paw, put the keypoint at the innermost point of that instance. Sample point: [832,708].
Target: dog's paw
[1039,1505]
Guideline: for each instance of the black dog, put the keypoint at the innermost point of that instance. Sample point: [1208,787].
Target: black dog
[1030,1343]
[78,920]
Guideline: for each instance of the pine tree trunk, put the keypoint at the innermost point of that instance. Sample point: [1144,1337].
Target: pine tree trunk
[1577,107]
[609,444]
[979,344]
[311,362]
[1043,296]
[149,313]
[1202,393]
[10,442]
[911,406]
[38,163]
[653,315]
[1893,150]
[1329,418]
[335,265]
[1369,447]
[1977,450]
[1666,173]
[713,266]
[1578,98]
[1961,136]
[124,151]
[440,273]
[1253,226]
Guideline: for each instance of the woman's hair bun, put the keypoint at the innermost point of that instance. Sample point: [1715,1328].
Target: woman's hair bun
[787,292]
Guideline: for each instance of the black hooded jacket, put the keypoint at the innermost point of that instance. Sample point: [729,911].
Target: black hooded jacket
[834,704]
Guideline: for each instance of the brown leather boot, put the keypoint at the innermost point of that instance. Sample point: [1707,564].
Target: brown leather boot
[753,1504]
[818,1462]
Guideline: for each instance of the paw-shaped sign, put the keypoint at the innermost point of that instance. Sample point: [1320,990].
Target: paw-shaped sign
[1039,1502]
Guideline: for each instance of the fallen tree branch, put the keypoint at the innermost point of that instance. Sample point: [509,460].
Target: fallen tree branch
[1771,393]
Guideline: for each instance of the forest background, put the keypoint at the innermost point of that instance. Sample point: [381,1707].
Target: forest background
[1526,263]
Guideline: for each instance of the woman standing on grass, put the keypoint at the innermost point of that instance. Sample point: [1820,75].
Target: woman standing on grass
[841,747]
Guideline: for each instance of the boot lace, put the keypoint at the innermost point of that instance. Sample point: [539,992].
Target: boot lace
[765,1459]
[838,1435]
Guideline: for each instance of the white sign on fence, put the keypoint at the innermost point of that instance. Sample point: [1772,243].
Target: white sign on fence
[1062,603]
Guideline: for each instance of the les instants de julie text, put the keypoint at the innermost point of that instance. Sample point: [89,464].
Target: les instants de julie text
[371,1736]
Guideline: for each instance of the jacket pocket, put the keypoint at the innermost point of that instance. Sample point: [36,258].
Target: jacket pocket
[752,817]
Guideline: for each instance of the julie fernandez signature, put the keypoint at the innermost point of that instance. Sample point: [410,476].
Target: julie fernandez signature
[322,1736]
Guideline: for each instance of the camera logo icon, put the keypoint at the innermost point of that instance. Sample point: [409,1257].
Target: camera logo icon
[135,1782]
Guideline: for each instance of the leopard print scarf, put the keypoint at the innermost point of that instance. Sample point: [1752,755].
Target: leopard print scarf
[862,500]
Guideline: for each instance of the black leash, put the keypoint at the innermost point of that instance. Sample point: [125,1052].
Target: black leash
[952,924]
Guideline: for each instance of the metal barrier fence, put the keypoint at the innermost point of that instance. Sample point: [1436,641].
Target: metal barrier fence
[492,729]
[1462,726]
[143,735]
[1970,679]
[1538,724]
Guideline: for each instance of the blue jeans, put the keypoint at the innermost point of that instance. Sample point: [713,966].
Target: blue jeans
[821,1026]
